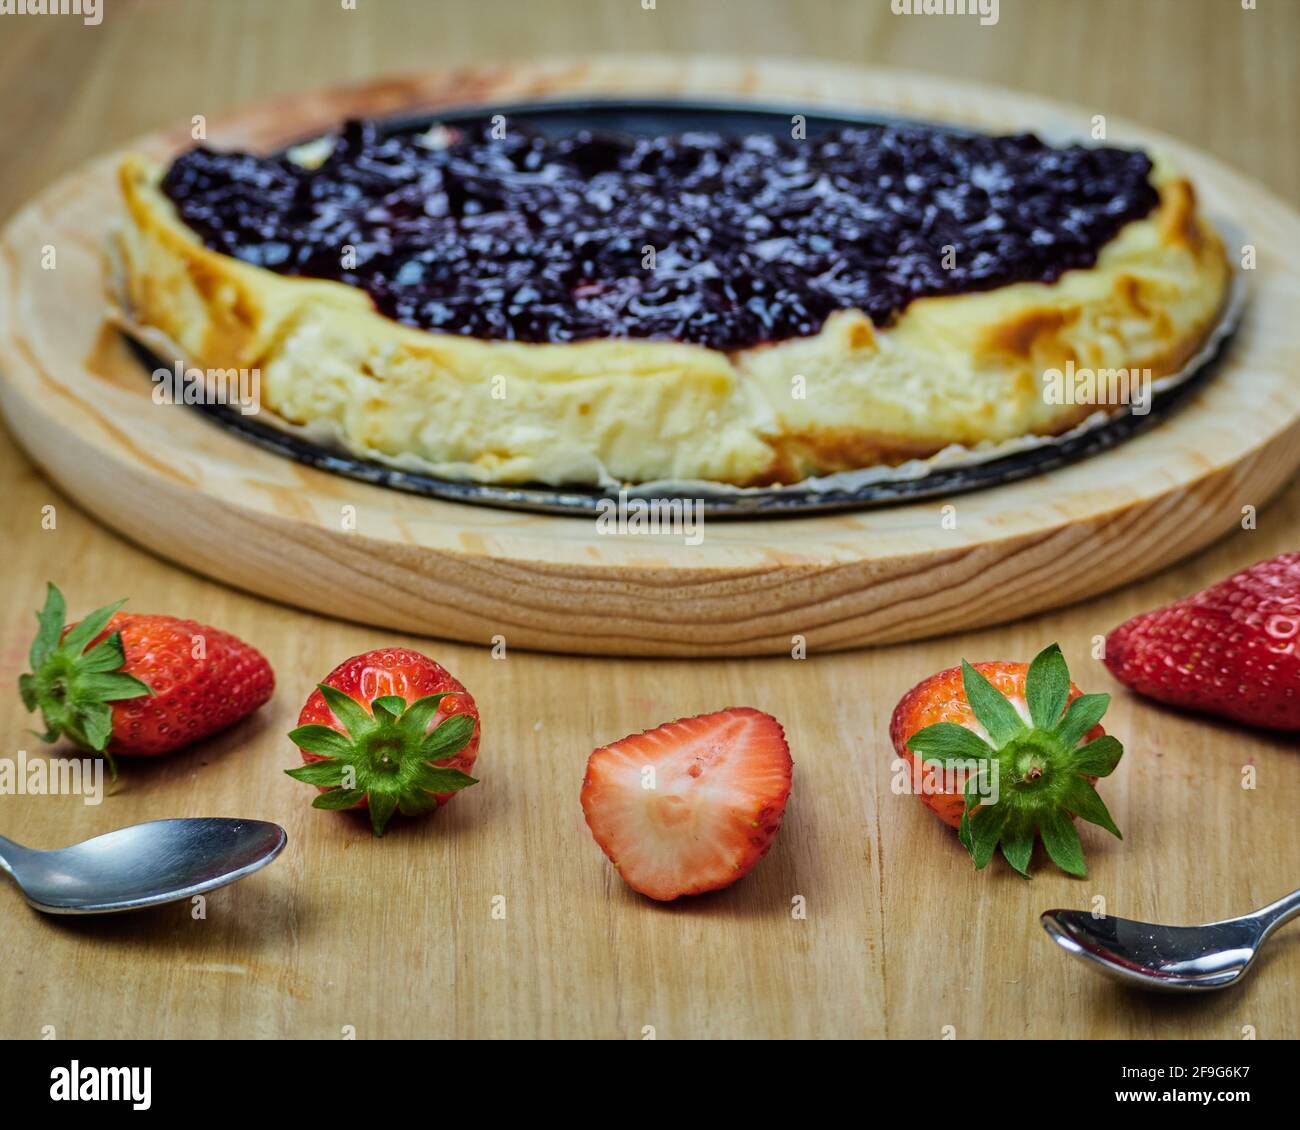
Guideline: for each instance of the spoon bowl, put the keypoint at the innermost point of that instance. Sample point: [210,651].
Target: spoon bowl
[142,865]
[1168,958]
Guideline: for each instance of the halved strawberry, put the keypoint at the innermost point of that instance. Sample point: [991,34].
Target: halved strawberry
[1010,731]
[692,805]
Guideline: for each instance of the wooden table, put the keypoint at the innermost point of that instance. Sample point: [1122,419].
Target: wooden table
[399,938]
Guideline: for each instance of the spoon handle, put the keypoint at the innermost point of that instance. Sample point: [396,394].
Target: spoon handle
[1276,913]
[11,849]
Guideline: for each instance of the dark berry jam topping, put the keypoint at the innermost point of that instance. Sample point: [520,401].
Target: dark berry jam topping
[725,242]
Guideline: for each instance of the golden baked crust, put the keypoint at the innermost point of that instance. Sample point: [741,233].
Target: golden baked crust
[950,370]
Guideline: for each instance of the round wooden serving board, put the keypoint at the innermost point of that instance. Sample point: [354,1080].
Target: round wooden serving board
[79,401]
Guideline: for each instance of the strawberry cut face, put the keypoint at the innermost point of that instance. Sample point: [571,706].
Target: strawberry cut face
[692,805]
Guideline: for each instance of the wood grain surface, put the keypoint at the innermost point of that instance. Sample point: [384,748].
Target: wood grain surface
[399,938]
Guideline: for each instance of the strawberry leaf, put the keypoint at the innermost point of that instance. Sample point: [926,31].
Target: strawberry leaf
[440,779]
[1061,839]
[321,773]
[1047,687]
[88,628]
[321,740]
[382,807]
[945,741]
[388,708]
[986,827]
[963,831]
[1083,801]
[49,627]
[356,720]
[113,686]
[449,738]
[1097,758]
[96,723]
[972,797]
[1018,844]
[1081,716]
[416,804]
[420,713]
[990,707]
[338,799]
[107,655]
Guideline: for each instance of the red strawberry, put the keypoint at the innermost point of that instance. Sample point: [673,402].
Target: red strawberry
[1001,759]
[690,806]
[1232,650]
[138,685]
[389,729]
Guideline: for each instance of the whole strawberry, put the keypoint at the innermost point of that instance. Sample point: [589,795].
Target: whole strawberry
[1008,753]
[388,730]
[1232,650]
[138,685]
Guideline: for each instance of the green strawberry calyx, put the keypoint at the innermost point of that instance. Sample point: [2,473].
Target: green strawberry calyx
[74,684]
[1029,778]
[386,756]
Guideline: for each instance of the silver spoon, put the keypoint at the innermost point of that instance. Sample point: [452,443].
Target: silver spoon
[143,865]
[1181,958]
